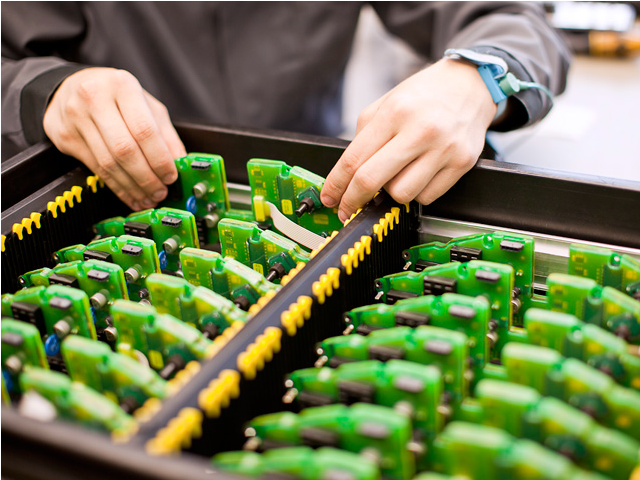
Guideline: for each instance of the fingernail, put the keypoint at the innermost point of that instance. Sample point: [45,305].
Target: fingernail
[328,201]
[147,203]
[342,216]
[159,195]
[169,179]
[136,206]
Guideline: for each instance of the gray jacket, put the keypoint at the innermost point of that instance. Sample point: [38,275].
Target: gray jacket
[262,64]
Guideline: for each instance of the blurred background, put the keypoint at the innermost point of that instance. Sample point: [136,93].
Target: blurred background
[594,127]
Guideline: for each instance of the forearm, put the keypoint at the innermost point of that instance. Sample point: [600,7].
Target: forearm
[515,31]
[27,87]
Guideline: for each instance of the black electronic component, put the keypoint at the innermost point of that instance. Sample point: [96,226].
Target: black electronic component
[384,354]
[62,279]
[486,276]
[511,246]
[276,271]
[171,221]
[310,399]
[411,319]
[306,205]
[30,313]
[435,285]
[462,311]
[422,264]
[200,165]
[60,303]
[438,347]
[319,437]
[364,329]
[394,295]
[138,229]
[354,392]
[132,250]
[465,254]
[97,255]
[98,275]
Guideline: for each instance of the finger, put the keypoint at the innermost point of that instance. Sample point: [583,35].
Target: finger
[108,169]
[368,113]
[168,132]
[377,171]
[145,131]
[439,185]
[128,154]
[371,139]
[413,178]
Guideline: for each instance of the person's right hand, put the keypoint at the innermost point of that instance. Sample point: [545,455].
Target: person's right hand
[105,119]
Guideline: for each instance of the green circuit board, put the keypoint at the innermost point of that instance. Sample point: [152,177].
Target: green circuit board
[103,282]
[137,256]
[267,252]
[21,346]
[171,230]
[585,341]
[56,311]
[468,315]
[75,401]
[608,268]
[384,432]
[199,307]
[324,463]
[523,412]
[294,191]
[495,281]
[500,247]
[159,337]
[407,386]
[225,276]
[576,383]
[490,453]
[201,189]
[603,306]
[126,381]
[426,345]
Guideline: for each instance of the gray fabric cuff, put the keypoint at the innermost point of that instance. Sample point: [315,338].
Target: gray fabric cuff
[523,107]
[35,98]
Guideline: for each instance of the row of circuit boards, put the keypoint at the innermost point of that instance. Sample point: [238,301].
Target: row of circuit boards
[118,322]
[459,367]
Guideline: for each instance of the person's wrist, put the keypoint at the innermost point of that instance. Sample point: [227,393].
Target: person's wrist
[468,75]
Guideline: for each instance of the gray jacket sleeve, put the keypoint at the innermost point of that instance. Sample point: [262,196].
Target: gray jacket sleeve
[515,31]
[32,68]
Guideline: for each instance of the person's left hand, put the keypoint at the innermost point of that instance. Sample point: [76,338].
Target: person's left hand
[416,141]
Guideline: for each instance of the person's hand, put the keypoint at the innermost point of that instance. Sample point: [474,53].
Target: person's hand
[416,141]
[105,119]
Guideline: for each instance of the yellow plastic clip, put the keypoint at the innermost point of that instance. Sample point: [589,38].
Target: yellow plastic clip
[35,218]
[76,191]
[148,409]
[93,182]
[177,434]
[17,230]
[259,352]
[3,240]
[219,393]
